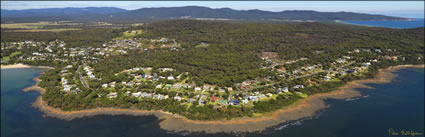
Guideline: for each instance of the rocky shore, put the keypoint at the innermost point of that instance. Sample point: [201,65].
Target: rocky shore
[172,122]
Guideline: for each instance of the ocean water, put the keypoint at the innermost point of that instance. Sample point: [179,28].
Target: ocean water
[419,22]
[398,105]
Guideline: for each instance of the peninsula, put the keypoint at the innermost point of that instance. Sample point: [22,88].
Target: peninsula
[192,74]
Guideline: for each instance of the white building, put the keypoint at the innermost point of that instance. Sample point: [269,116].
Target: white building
[112,95]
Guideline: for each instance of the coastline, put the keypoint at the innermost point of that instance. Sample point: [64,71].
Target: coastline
[347,23]
[380,26]
[35,87]
[20,65]
[302,108]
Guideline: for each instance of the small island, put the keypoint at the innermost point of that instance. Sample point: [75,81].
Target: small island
[197,73]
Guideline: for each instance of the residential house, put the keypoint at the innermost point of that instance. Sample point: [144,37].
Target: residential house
[394,57]
[367,64]
[112,95]
[178,98]
[245,101]
[201,101]
[261,96]
[234,102]
[253,98]
[170,78]
[197,89]
[327,78]
[269,94]
[222,102]
[351,71]
[278,91]
[177,86]
[285,89]
[104,85]
[298,86]
[146,95]
[137,94]
[230,89]
[191,100]
[214,98]
[67,88]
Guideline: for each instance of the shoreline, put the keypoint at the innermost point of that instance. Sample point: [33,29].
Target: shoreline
[20,65]
[35,87]
[303,108]
[347,23]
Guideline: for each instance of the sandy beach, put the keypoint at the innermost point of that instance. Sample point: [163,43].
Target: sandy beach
[20,65]
[303,108]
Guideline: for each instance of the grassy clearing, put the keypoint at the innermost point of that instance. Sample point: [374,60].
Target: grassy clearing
[46,30]
[137,24]
[130,34]
[37,25]
[20,26]
[303,95]
[201,46]
[15,53]
[7,58]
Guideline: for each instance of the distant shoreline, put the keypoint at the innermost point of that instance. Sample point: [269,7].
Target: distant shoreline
[172,122]
[343,22]
[379,26]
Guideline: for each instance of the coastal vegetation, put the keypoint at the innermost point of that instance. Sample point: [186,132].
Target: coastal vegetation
[240,69]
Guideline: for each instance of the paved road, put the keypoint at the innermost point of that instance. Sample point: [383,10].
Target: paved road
[329,70]
[82,79]
[297,77]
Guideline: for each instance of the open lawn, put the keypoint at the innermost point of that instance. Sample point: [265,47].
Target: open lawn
[7,58]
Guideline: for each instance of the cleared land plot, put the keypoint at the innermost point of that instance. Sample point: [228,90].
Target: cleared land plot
[130,34]
[46,30]
[39,26]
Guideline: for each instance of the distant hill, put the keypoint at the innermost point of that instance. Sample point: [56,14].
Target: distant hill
[58,14]
[189,12]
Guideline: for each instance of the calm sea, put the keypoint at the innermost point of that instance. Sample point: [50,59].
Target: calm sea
[398,105]
[419,22]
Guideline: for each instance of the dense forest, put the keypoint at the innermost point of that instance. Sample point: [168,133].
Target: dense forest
[233,54]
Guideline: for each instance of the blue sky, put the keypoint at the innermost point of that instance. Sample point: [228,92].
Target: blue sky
[412,9]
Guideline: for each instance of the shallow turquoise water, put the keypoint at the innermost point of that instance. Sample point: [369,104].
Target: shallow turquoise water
[398,105]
